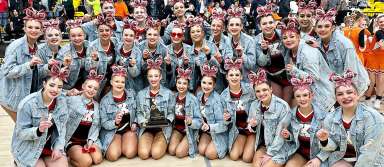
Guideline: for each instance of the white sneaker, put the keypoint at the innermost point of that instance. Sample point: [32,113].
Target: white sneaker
[377,104]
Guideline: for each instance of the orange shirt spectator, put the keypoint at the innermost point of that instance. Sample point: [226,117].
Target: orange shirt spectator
[121,9]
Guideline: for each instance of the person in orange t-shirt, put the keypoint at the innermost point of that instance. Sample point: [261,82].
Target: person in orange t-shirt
[121,10]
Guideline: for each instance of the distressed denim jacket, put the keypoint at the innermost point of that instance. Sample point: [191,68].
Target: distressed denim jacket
[108,111]
[179,62]
[90,29]
[366,134]
[274,120]
[317,121]
[310,62]
[16,74]
[341,55]
[265,59]
[132,80]
[27,146]
[249,54]
[214,112]
[77,109]
[165,102]
[76,64]
[191,108]
[45,53]
[247,97]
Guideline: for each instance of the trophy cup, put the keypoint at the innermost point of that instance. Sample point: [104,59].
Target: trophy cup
[157,119]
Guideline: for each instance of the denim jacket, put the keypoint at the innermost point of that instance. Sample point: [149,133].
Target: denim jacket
[341,56]
[274,120]
[317,120]
[214,111]
[108,111]
[16,74]
[310,62]
[77,109]
[366,135]
[191,108]
[45,53]
[90,29]
[26,145]
[167,32]
[76,64]
[179,62]
[165,102]
[247,97]
[132,80]
[265,59]
[249,54]
[167,74]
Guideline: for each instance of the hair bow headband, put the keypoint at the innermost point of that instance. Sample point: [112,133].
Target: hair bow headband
[32,14]
[154,64]
[344,79]
[52,23]
[119,71]
[56,72]
[235,12]
[71,24]
[291,26]
[177,24]
[130,24]
[139,3]
[263,11]
[302,84]
[258,78]
[184,73]
[153,23]
[229,64]
[176,1]
[209,71]
[311,6]
[218,14]
[195,21]
[93,76]
[328,16]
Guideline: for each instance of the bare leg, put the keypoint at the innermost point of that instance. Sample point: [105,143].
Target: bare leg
[249,149]
[114,149]
[145,145]
[176,138]
[205,139]
[237,147]
[183,148]
[129,144]
[11,113]
[78,158]
[159,146]
[296,160]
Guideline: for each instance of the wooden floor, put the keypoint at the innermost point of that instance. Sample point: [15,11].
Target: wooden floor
[6,129]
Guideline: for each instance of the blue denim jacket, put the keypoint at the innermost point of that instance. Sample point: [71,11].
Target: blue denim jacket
[341,56]
[214,111]
[249,54]
[90,29]
[16,74]
[178,62]
[191,108]
[77,109]
[317,120]
[274,120]
[247,97]
[161,50]
[26,145]
[167,32]
[165,102]
[76,64]
[265,59]
[366,134]
[310,62]
[108,111]
[132,80]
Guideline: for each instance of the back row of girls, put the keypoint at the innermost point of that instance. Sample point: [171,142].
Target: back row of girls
[128,93]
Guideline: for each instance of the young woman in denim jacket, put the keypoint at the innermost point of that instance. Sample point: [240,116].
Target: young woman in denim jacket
[307,119]
[39,135]
[305,17]
[303,60]
[269,115]
[238,98]
[108,10]
[179,51]
[129,56]
[213,142]
[352,134]
[140,15]
[154,101]
[118,134]
[84,125]
[20,60]
[338,50]
[102,53]
[270,52]
[243,45]
[202,51]
[153,48]
[187,122]
[74,53]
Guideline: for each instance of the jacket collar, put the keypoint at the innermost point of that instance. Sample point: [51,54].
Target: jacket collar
[147,89]
[358,114]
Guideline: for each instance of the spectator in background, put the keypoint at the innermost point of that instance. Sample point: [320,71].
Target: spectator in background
[14,28]
[253,12]
[19,5]
[69,9]
[121,10]
[93,7]
[3,13]
[155,8]
[284,8]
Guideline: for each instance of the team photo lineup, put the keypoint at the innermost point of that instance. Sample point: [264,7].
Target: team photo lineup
[270,83]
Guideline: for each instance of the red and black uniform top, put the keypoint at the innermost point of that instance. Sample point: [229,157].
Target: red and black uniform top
[180,115]
[241,115]
[111,56]
[179,53]
[124,124]
[125,54]
[261,136]
[47,151]
[304,135]
[80,136]
[350,152]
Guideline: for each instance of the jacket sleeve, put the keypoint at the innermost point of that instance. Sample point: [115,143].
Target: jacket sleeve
[196,119]
[263,59]
[89,63]
[24,129]
[310,66]
[140,110]
[219,125]
[95,128]
[105,122]
[325,151]
[249,56]
[353,62]
[10,68]
[60,143]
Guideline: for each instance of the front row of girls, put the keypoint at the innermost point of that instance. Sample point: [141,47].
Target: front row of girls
[246,121]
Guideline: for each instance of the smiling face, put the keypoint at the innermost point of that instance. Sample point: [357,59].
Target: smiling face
[179,9]
[90,88]
[217,27]
[152,36]
[177,35]
[207,84]
[291,40]
[324,29]
[197,33]
[32,29]
[128,36]
[77,36]
[182,85]
[303,97]
[263,92]
[154,77]
[53,37]
[118,83]
[105,32]
[108,9]
[235,26]
[347,96]
[140,14]
[267,25]
[234,77]
[305,19]
[53,87]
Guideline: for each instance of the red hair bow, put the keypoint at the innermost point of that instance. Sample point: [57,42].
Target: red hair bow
[130,24]
[218,14]
[258,78]
[71,24]
[177,24]
[151,64]
[186,74]
[311,6]
[344,79]
[139,3]
[153,23]
[328,16]
[109,1]
[32,14]
[209,71]
[266,10]
[235,12]
[52,23]
[195,21]
[302,84]
[230,64]
[175,1]
[119,71]
[291,26]
[93,75]
[56,72]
